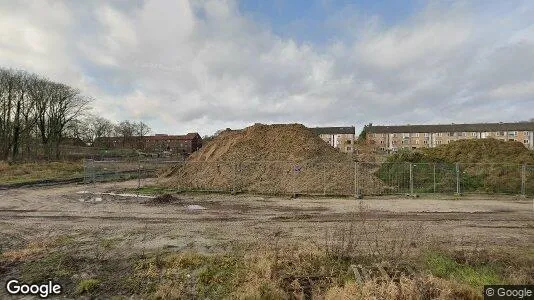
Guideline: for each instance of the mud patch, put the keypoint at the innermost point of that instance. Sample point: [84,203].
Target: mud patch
[163,200]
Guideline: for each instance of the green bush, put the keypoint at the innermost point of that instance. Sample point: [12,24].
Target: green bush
[443,266]
[87,286]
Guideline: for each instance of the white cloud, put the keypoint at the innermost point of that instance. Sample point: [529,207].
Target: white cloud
[514,90]
[202,65]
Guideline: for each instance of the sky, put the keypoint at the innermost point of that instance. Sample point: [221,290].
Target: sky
[202,65]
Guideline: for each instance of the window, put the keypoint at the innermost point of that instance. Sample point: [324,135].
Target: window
[417,142]
[426,134]
[473,133]
[440,134]
[405,135]
[381,142]
[349,148]
[525,141]
[512,133]
[464,133]
[416,134]
[425,142]
[394,135]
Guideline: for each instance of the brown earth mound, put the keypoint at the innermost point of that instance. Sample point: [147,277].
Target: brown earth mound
[482,151]
[162,199]
[282,159]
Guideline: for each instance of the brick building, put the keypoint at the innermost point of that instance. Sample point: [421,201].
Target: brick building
[338,137]
[183,144]
[392,138]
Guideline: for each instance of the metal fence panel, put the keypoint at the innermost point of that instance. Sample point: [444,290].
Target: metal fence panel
[319,178]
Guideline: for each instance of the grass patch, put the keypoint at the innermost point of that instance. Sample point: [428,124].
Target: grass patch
[87,286]
[187,275]
[444,266]
[57,266]
[24,172]
[258,271]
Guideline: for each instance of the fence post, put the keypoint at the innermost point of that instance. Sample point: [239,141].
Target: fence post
[93,175]
[356,180]
[84,171]
[324,179]
[434,178]
[457,178]
[138,173]
[523,180]
[411,178]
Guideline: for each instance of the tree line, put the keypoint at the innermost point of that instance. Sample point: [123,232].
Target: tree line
[38,116]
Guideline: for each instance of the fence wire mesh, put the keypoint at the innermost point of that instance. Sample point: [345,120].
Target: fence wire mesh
[318,178]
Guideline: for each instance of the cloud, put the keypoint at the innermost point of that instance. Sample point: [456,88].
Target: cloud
[204,65]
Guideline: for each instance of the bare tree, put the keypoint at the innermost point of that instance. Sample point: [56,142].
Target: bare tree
[142,129]
[34,107]
[100,127]
[125,130]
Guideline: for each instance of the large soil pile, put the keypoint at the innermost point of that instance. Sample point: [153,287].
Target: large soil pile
[482,151]
[284,158]
[485,165]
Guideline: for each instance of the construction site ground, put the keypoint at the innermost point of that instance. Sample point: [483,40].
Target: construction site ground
[207,222]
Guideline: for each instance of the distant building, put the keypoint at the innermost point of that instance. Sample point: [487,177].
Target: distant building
[183,144]
[69,141]
[392,138]
[338,137]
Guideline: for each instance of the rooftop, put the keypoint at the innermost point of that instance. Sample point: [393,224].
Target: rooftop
[475,127]
[334,130]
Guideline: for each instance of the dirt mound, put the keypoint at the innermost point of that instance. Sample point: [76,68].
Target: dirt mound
[482,151]
[282,158]
[485,165]
[162,199]
[279,142]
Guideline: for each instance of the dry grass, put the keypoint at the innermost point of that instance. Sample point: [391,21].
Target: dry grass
[373,240]
[423,287]
[15,173]
[3,166]
[260,271]
[31,251]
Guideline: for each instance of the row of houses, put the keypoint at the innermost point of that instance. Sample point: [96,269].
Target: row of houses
[392,138]
[385,138]
[342,138]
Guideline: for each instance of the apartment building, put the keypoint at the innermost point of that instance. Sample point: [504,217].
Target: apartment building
[342,138]
[392,138]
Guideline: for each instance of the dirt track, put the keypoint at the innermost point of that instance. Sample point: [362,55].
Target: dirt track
[28,213]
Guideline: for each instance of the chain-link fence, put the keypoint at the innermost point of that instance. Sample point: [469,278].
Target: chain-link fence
[459,178]
[318,178]
[106,171]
